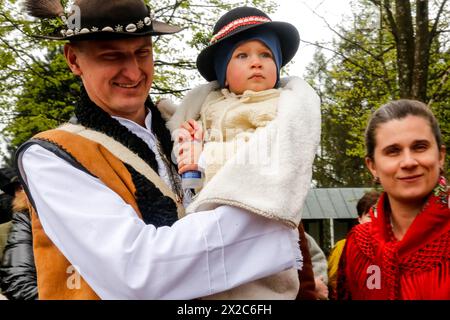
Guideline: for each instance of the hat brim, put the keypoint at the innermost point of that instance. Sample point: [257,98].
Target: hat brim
[157,28]
[287,34]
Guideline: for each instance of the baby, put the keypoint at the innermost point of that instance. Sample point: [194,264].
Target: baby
[260,132]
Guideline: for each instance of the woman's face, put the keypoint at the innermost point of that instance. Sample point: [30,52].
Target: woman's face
[407,159]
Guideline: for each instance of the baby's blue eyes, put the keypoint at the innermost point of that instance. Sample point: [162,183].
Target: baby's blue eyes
[262,55]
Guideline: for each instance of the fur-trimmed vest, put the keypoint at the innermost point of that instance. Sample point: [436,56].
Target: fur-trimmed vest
[119,159]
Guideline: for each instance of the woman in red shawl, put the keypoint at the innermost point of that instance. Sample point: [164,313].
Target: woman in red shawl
[404,253]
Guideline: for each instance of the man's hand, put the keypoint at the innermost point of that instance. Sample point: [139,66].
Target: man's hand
[189,140]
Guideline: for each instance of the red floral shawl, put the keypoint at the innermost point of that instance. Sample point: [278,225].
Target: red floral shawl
[375,265]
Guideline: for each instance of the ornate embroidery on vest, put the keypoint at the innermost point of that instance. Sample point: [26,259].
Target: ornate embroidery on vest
[149,199]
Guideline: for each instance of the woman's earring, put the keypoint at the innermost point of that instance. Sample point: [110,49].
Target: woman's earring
[376,180]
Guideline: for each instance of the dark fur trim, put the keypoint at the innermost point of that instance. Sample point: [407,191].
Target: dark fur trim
[93,117]
[156,209]
[154,206]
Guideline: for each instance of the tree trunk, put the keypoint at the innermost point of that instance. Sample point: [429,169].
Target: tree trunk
[422,52]
[405,47]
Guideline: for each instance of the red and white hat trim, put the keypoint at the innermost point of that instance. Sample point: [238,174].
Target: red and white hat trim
[236,24]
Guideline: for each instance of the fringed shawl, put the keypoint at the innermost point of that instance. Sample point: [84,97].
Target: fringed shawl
[375,265]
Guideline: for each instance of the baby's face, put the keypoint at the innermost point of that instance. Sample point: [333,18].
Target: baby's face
[251,67]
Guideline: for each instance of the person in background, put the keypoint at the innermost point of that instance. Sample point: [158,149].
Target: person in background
[365,203]
[306,274]
[403,253]
[9,184]
[17,269]
[319,264]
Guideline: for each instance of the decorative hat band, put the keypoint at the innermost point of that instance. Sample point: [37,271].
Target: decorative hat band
[74,29]
[236,24]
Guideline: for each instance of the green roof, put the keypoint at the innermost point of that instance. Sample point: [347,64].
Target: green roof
[332,203]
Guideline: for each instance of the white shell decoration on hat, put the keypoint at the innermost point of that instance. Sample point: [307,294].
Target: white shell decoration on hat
[130,28]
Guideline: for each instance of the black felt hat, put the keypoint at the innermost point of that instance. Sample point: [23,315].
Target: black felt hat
[239,20]
[8,181]
[99,19]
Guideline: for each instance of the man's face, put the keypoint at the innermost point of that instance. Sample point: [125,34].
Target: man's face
[117,74]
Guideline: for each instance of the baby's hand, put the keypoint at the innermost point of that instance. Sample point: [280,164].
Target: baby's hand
[190,146]
[192,130]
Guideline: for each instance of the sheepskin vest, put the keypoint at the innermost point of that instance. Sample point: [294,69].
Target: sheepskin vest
[114,156]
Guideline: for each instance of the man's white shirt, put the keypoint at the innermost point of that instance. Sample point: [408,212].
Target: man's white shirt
[121,257]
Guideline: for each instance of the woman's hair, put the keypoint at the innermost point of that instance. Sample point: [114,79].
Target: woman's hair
[396,110]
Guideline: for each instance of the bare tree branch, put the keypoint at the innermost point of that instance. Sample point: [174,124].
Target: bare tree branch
[179,64]
[439,87]
[356,44]
[353,62]
[433,32]
[389,15]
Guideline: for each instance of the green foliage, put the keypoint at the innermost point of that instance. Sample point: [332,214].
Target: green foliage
[47,99]
[358,78]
